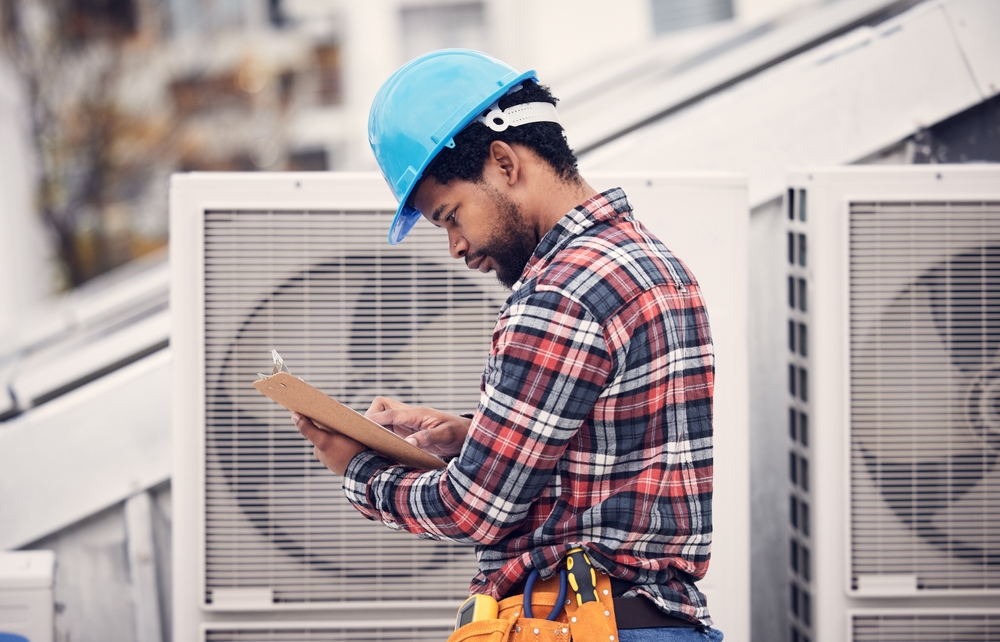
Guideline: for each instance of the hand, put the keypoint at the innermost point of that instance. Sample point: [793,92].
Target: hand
[333,449]
[431,430]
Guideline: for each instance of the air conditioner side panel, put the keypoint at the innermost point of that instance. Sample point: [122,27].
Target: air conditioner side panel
[187,403]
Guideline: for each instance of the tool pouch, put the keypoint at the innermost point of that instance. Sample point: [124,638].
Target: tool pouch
[592,622]
[484,631]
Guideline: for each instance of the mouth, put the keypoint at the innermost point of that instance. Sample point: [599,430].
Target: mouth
[479,263]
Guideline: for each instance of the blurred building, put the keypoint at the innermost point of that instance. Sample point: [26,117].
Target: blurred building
[126,92]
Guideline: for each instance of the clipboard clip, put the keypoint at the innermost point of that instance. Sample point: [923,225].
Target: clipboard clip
[279,366]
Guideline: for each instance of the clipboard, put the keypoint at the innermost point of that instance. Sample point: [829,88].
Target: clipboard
[298,396]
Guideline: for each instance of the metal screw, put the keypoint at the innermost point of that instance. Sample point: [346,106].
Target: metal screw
[536,631]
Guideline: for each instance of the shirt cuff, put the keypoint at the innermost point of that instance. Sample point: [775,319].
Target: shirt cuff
[359,472]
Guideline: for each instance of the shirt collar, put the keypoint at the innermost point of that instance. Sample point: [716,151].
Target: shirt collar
[597,209]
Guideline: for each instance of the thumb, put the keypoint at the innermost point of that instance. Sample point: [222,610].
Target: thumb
[439,436]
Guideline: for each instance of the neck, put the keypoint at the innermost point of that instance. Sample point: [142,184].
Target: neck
[560,197]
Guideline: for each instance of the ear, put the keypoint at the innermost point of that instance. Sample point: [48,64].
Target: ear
[506,161]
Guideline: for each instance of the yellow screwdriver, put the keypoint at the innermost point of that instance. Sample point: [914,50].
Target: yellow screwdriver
[582,577]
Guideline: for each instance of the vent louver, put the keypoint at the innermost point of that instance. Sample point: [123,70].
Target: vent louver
[356,318]
[924,627]
[799,410]
[328,634]
[925,396]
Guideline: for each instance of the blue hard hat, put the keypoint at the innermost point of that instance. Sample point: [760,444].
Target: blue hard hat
[421,107]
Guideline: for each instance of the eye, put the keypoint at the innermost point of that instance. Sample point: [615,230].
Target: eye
[451,217]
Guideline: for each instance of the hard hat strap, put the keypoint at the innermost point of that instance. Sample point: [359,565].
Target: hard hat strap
[499,120]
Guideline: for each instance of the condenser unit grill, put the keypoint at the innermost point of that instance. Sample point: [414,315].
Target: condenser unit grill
[329,634]
[979,627]
[355,317]
[925,396]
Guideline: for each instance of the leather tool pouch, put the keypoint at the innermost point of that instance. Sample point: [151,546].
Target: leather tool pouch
[592,622]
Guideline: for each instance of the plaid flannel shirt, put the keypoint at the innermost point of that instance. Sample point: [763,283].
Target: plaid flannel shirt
[594,426]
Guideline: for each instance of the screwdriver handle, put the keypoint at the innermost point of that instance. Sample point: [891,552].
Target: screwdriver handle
[582,577]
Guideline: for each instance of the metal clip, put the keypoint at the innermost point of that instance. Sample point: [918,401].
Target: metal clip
[279,363]
[279,366]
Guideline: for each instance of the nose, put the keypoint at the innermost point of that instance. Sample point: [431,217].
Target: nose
[457,245]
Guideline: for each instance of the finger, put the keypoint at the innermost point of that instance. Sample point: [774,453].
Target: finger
[384,403]
[401,421]
[308,428]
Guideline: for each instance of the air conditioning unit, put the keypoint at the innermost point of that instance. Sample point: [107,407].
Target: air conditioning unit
[893,325]
[264,540]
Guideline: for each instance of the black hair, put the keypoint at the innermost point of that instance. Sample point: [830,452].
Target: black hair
[466,160]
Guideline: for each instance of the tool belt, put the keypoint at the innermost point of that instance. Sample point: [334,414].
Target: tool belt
[592,622]
[526,618]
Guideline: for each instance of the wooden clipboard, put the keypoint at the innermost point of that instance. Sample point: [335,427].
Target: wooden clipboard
[298,396]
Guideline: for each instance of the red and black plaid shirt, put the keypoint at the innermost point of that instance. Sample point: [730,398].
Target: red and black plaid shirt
[594,427]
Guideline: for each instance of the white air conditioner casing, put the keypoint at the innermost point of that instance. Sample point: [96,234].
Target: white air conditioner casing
[893,323]
[263,536]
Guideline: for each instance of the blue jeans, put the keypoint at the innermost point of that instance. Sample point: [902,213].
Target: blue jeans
[670,635]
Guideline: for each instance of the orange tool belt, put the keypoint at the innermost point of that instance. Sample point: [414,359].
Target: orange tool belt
[592,621]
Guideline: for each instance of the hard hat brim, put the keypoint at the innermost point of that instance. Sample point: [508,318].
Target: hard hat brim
[407,216]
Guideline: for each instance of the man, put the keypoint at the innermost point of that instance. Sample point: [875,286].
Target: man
[594,426]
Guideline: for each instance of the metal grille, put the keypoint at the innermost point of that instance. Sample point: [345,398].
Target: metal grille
[330,634]
[979,627]
[799,410]
[356,318]
[925,395]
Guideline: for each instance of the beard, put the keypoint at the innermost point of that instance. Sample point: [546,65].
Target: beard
[510,244]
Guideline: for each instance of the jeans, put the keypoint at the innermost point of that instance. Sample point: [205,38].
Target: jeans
[670,635]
